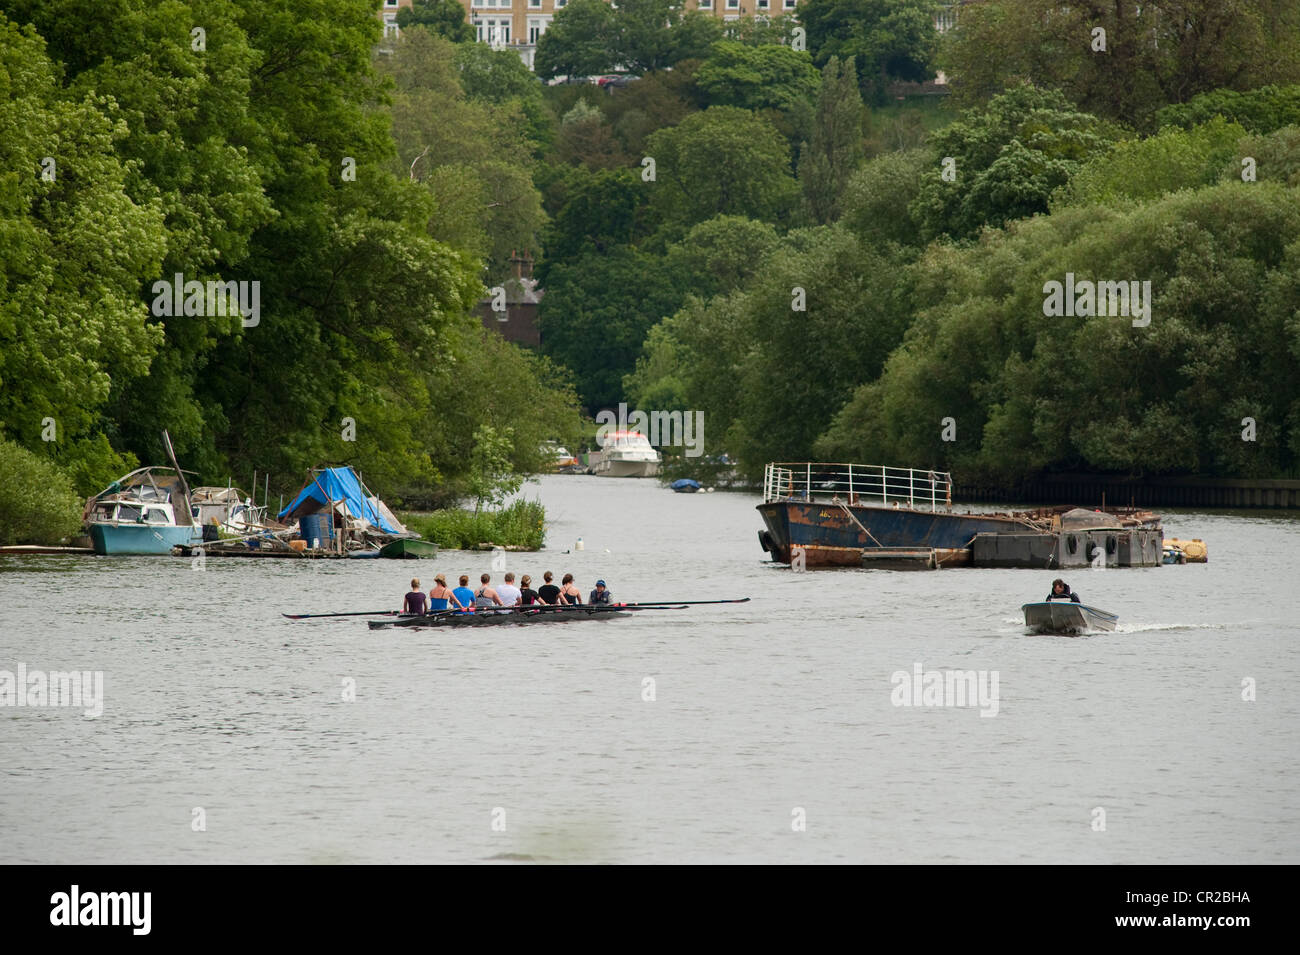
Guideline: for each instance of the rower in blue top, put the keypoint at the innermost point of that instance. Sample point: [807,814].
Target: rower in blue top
[1061,591]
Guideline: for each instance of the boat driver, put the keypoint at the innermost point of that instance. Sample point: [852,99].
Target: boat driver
[1061,591]
[600,595]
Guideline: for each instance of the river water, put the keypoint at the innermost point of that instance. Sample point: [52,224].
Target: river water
[769,732]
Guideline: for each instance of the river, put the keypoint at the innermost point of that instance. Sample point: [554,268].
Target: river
[758,732]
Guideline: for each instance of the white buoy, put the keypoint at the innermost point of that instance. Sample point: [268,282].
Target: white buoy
[578,546]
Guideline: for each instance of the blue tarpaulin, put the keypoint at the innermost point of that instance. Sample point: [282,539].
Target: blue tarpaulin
[336,484]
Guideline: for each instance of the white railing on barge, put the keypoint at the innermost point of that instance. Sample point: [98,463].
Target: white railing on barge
[856,484]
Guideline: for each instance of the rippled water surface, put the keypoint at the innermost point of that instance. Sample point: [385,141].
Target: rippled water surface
[763,713]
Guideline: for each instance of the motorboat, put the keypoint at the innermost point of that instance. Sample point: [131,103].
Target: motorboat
[627,454]
[1064,616]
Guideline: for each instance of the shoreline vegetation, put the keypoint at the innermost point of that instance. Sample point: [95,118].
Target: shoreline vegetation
[520,525]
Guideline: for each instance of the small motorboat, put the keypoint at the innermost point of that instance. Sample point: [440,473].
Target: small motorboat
[685,486]
[1063,616]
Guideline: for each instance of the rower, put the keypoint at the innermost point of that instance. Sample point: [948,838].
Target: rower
[569,592]
[486,596]
[600,595]
[527,596]
[414,602]
[1061,591]
[441,595]
[508,592]
[464,596]
[548,593]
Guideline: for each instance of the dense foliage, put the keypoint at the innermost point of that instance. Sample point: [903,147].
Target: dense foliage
[749,225]
[368,192]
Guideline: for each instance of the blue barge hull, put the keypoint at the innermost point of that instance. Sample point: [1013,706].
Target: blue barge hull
[829,537]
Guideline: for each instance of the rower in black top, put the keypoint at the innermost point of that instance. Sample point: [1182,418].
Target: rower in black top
[548,592]
[1061,591]
[415,600]
[527,596]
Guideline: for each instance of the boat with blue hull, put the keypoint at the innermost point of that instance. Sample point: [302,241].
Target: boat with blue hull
[831,515]
[144,512]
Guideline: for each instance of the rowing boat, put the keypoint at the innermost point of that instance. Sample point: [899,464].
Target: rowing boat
[1067,617]
[496,618]
[536,613]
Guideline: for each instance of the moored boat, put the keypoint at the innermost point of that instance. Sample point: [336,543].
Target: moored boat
[1064,616]
[685,486]
[409,547]
[144,512]
[828,515]
[627,454]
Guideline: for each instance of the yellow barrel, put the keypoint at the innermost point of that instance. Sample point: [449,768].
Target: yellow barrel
[1194,549]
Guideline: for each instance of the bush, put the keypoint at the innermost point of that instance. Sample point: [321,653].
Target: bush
[37,502]
[522,524]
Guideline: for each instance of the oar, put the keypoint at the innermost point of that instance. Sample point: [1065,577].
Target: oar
[355,613]
[683,603]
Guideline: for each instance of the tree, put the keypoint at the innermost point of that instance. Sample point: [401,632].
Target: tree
[877,199]
[595,316]
[1261,110]
[75,250]
[1156,52]
[1135,170]
[1004,161]
[891,39]
[491,478]
[837,143]
[723,161]
[599,213]
[757,77]
[1032,392]
[581,41]
[443,17]
[37,502]
[656,34]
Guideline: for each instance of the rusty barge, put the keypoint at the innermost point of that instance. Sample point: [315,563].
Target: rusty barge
[855,515]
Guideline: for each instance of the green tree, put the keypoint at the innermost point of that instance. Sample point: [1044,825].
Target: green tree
[75,249]
[37,502]
[836,149]
[1032,392]
[491,478]
[1141,169]
[443,17]
[581,41]
[1006,161]
[877,199]
[723,161]
[1261,110]
[1156,52]
[891,39]
[757,77]
[656,34]
[595,316]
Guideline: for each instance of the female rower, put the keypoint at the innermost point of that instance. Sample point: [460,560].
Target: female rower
[414,602]
[569,593]
[527,596]
[441,596]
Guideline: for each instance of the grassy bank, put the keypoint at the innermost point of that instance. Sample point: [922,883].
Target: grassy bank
[519,525]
